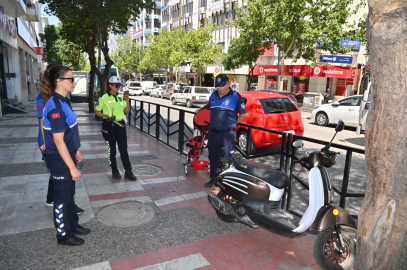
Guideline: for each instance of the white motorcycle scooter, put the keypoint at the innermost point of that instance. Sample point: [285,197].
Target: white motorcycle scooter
[257,191]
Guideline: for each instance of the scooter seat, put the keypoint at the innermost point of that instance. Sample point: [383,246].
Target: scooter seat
[275,178]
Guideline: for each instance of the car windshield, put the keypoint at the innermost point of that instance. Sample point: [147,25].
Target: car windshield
[135,84]
[276,105]
[201,90]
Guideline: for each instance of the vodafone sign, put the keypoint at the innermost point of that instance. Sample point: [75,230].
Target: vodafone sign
[297,70]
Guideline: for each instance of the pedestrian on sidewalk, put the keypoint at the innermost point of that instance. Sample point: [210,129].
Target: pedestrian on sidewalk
[227,110]
[28,82]
[37,86]
[40,106]
[62,144]
[113,107]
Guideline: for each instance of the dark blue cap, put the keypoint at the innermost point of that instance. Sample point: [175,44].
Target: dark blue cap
[221,80]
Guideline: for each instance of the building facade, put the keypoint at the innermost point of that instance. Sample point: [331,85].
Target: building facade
[19,36]
[147,25]
[336,73]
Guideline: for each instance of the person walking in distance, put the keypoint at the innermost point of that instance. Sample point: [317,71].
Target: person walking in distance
[227,110]
[62,144]
[28,82]
[113,107]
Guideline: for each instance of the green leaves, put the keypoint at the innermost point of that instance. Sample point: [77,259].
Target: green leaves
[297,26]
[127,55]
[175,47]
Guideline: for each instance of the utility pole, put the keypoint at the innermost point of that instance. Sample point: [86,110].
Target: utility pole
[278,68]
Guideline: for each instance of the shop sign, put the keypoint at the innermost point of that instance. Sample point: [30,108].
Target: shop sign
[39,50]
[269,52]
[351,43]
[303,70]
[165,7]
[137,34]
[213,7]
[336,59]
[7,23]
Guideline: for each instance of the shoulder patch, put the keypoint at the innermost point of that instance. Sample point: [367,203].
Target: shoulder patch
[39,108]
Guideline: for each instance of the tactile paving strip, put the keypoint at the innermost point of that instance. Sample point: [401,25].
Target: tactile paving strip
[140,170]
[125,214]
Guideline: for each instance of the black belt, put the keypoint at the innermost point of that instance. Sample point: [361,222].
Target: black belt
[223,130]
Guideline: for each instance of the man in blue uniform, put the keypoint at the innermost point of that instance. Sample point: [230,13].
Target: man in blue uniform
[227,110]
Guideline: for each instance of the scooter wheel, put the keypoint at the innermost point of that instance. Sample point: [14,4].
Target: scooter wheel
[187,169]
[326,249]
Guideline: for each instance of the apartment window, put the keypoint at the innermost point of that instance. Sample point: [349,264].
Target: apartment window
[202,22]
[203,3]
[222,19]
[233,11]
[157,11]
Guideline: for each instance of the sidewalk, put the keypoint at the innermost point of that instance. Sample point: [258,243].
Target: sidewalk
[184,231]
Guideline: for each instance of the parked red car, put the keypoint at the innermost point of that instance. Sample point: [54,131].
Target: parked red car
[271,111]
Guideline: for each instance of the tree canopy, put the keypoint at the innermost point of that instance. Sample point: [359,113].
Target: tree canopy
[96,19]
[127,55]
[297,27]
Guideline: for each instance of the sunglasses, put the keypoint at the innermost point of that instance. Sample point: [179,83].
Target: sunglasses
[72,79]
[117,85]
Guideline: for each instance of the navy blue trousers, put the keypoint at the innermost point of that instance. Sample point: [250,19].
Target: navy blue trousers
[114,134]
[65,214]
[220,145]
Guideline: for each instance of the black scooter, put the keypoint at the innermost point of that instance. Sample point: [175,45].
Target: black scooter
[251,194]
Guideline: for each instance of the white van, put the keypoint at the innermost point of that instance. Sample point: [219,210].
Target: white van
[147,86]
[81,91]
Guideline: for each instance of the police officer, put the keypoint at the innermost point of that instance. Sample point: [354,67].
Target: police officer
[62,144]
[113,107]
[227,110]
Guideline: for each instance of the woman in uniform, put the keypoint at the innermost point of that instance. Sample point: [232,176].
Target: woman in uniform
[62,153]
[113,107]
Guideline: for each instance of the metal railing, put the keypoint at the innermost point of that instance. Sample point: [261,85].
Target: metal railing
[148,118]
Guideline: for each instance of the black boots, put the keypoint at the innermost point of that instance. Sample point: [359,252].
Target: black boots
[209,184]
[115,172]
[71,241]
[129,174]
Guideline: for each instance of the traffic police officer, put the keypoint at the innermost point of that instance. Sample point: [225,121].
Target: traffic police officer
[113,107]
[227,110]
[62,144]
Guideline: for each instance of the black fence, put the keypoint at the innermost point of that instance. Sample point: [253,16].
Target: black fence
[170,126]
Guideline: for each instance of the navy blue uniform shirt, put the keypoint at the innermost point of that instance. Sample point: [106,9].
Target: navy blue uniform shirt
[59,117]
[224,110]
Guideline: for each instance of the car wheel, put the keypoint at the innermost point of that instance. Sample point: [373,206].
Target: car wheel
[173,101]
[189,104]
[242,137]
[322,119]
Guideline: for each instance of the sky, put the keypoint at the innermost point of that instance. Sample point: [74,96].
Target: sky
[51,19]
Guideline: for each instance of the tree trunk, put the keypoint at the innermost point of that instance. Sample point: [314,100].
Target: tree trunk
[91,92]
[383,216]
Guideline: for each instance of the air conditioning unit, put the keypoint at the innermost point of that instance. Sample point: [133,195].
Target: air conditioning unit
[156,30]
[202,10]
[187,15]
[156,16]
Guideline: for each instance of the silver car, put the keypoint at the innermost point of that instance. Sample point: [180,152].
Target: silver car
[191,95]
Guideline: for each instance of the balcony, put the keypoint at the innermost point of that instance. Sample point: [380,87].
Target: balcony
[33,12]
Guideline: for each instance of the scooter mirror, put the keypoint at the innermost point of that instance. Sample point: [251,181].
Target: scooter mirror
[339,126]
[298,143]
